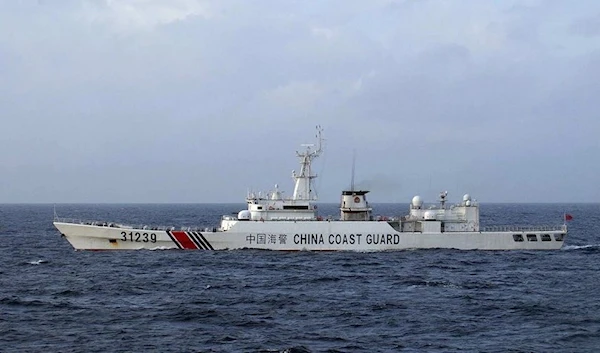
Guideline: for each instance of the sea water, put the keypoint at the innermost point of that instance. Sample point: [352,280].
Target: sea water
[56,299]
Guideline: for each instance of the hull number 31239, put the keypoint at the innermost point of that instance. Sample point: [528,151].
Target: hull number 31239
[138,237]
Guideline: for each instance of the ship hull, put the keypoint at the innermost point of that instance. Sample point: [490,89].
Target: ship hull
[304,236]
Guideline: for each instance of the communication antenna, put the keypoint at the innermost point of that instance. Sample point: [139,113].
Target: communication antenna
[353,168]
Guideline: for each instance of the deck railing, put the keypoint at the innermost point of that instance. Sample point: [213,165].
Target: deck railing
[129,226]
[542,228]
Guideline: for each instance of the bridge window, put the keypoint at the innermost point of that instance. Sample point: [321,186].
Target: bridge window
[295,207]
[517,237]
[546,237]
[559,237]
[532,237]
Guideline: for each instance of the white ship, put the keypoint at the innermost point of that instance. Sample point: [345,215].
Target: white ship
[272,222]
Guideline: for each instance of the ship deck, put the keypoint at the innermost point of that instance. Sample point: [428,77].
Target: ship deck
[493,228]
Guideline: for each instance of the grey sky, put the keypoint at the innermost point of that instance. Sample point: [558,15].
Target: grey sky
[197,101]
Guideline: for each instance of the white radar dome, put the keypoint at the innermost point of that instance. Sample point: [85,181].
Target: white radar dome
[244,215]
[417,201]
[467,197]
[429,215]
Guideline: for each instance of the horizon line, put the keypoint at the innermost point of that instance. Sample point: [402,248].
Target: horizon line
[240,203]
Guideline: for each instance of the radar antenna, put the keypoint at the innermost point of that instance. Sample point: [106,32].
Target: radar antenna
[443,196]
[303,180]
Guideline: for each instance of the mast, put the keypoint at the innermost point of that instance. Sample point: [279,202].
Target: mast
[303,180]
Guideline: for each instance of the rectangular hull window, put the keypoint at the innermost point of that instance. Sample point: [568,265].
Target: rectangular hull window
[546,237]
[532,237]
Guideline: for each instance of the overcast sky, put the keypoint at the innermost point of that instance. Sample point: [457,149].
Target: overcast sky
[197,101]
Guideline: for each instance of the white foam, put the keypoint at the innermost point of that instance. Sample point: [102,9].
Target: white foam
[38,262]
[577,247]
[159,248]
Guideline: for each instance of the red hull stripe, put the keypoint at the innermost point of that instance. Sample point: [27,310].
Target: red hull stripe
[184,240]
[174,240]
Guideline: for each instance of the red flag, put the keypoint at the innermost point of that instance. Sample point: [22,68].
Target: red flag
[568,217]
